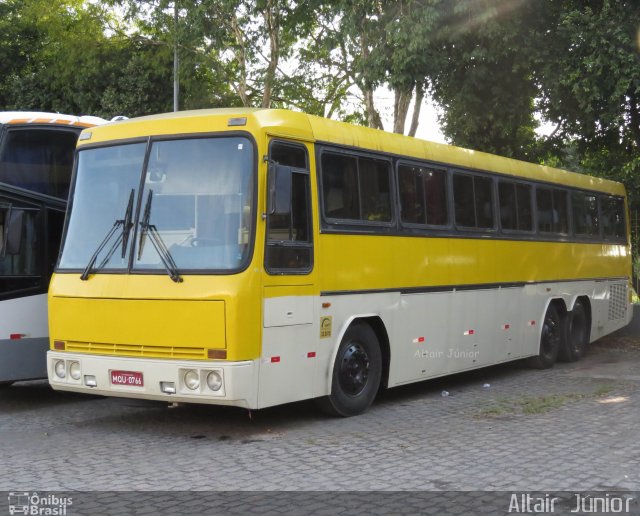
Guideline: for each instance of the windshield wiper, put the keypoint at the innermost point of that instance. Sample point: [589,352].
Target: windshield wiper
[123,237]
[159,245]
[127,223]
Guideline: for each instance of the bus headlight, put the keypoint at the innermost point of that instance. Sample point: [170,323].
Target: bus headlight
[214,381]
[192,380]
[74,370]
[60,369]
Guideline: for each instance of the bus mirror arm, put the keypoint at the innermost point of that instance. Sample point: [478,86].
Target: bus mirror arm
[279,181]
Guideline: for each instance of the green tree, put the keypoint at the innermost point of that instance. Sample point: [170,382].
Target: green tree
[486,84]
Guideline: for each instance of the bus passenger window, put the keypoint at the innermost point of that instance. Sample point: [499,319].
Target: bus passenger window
[515,206]
[356,188]
[613,224]
[473,201]
[340,186]
[585,214]
[551,204]
[373,177]
[20,255]
[423,195]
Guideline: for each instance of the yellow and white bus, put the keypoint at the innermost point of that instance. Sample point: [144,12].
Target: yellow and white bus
[260,257]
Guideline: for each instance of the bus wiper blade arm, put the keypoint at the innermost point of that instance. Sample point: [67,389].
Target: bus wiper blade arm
[127,224]
[85,274]
[163,252]
[159,245]
[144,224]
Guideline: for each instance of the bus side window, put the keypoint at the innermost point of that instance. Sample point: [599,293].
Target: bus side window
[552,207]
[22,246]
[613,224]
[473,201]
[289,243]
[515,206]
[423,195]
[585,214]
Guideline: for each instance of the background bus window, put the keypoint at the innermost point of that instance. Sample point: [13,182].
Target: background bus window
[289,243]
[39,160]
[585,214]
[552,207]
[473,201]
[515,206]
[423,195]
[612,212]
[21,247]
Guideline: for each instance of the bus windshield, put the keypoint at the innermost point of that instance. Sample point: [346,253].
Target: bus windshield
[196,197]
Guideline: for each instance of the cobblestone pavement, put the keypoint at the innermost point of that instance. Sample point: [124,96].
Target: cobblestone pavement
[572,428]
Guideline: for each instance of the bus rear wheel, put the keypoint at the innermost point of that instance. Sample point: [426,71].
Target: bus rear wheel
[357,371]
[552,339]
[575,345]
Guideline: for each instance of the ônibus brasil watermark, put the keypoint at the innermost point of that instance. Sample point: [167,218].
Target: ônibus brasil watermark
[34,504]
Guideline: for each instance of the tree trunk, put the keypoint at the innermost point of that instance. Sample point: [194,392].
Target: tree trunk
[241,57]
[272,30]
[415,119]
[400,109]
[373,117]
[634,109]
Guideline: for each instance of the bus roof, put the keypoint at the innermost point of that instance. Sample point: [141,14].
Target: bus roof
[301,126]
[38,117]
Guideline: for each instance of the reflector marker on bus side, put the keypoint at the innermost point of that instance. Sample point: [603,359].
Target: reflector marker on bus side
[469,332]
[506,326]
[419,339]
[311,354]
[17,336]
[531,323]
[275,360]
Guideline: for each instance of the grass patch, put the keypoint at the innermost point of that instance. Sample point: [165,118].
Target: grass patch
[530,405]
[604,389]
[543,404]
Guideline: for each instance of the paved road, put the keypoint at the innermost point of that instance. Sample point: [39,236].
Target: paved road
[571,428]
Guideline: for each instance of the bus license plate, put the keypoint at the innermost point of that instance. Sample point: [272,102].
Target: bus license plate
[130,378]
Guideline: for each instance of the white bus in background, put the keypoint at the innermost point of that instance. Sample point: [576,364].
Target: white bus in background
[36,160]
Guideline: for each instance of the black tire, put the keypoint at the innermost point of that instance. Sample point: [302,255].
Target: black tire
[552,338]
[4,385]
[575,345]
[356,373]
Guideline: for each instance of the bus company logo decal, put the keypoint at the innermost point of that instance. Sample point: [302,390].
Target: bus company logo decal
[34,504]
[325,327]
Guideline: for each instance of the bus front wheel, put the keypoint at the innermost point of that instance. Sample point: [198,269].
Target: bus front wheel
[357,371]
[575,345]
[552,338]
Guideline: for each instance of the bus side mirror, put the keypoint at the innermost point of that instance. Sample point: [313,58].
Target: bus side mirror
[279,180]
[13,232]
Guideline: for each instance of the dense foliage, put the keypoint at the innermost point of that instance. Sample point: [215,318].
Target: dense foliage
[495,67]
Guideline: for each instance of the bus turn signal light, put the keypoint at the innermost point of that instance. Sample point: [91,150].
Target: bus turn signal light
[217,354]
[59,345]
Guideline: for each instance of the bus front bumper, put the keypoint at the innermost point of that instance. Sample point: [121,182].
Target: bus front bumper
[173,381]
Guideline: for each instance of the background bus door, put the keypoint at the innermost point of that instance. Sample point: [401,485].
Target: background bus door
[290,328]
